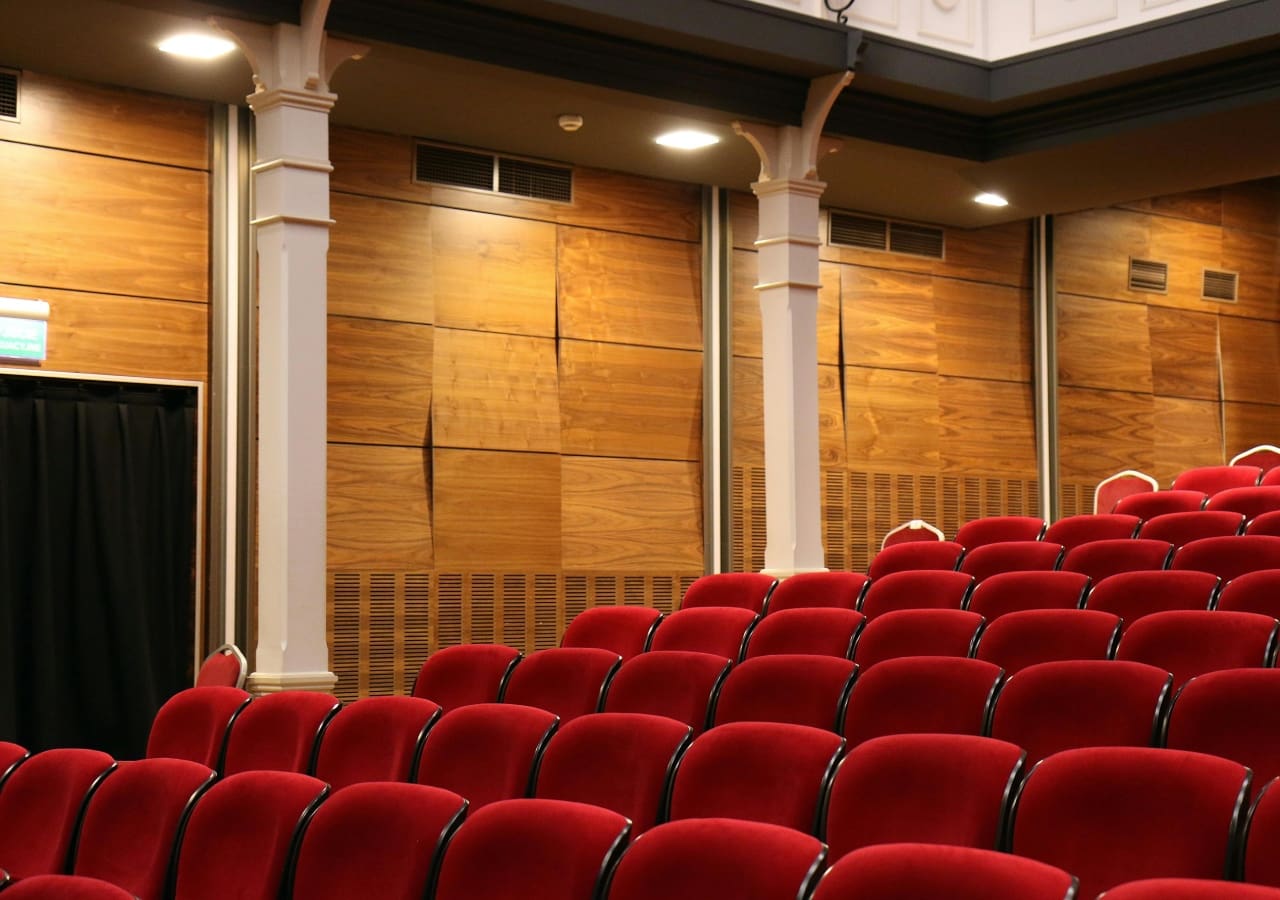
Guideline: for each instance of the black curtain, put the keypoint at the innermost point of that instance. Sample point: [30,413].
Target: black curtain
[97,542]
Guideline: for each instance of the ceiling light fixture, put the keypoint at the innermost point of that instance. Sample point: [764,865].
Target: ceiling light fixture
[986,198]
[196,46]
[687,139]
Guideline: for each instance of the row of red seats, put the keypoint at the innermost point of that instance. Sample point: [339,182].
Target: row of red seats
[1257,466]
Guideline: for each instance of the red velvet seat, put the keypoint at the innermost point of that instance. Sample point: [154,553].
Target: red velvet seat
[920,871]
[759,771]
[1267,523]
[919,632]
[625,630]
[377,840]
[279,731]
[1192,642]
[917,589]
[1215,479]
[1255,592]
[916,555]
[1075,530]
[66,887]
[924,788]
[1261,864]
[912,694]
[40,809]
[806,590]
[1007,592]
[1265,456]
[679,684]
[699,859]
[1271,476]
[1159,503]
[1180,528]
[1012,556]
[534,850]
[722,630]
[1248,501]
[1114,489]
[743,590]
[620,761]
[469,673]
[374,739]
[1232,714]
[1132,595]
[194,724]
[819,631]
[10,755]
[1229,557]
[999,529]
[800,689]
[1190,889]
[1022,639]
[1101,559]
[1062,705]
[1117,814]
[224,667]
[568,681]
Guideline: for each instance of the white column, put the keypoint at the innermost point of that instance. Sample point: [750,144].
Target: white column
[788,192]
[291,106]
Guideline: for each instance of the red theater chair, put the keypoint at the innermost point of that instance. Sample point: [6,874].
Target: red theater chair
[1229,557]
[1117,488]
[679,684]
[1250,502]
[375,739]
[1101,559]
[625,630]
[1008,592]
[66,887]
[1075,530]
[470,673]
[919,632]
[568,681]
[1214,479]
[998,530]
[722,630]
[1132,595]
[744,590]
[1180,528]
[1189,889]
[1022,639]
[1232,714]
[912,694]
[1159,503]
[1012,556]
[1255,592]
[40,809]
[818,631]
[910,531]
[279,731]
[1192,642]
[945,555]
[224,667]
[194,724]
[800,689]
[818,589]
[917,589]
[1267,523]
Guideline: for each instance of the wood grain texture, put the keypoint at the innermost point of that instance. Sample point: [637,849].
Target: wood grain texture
[987,427]
[379,382]
[128,228]
[1250,360]
[91,118]
[494,392]
[1198,206]
[1252,206]
[1092,250]
[613,201]
[748,414]
[380,259]
[379,507]
[889,319]
[630,290]
[1187,433]
[1255,257]
[744,220]
[631,515]
[1102,432]
[496,510]
[984,330]
[746,309]
[892,420]
[373,164]
[493,273]
[1103,344]
[1189,248]
[832,441]
[1184,353]
[1248,425]
[634,402]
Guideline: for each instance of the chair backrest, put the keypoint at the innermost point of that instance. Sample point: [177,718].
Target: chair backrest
[696,859]
[913,555]
[1159,503]
[910,871]
[722,630]
[801,689]
[1075,530]
[241,836]
[224,667]
[1007,592]
[1213,479]
[1230,713]
[41,806]
[1190,889]
[10,755]
[374,739]
[626,630]
[923,788]
[1113,489]
[760,771]
[917,589]
[1248,501]
[132,820]
[912,694]
[1022,639]
[621,761]
[194,724]
[1012,556]
[818,589]
[1271,476]
[1132,595]
[744,590]
[999,529]
[486,751]
[1267,523]
[1099,559]
[919,632]
[568,681]
[679,684]
[1261,863]
[817,631]
[1229,557]
[543,849]
[468,673]
[1061,705]
[1264,456]
[1116,814]
[66,887]
[1180,528]
[912,530]
[279,731]
[1192,642]
[1255,592]
[376,839]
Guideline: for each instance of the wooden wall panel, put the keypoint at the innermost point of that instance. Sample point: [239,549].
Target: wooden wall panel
[128,228]
[1252,206]
[987,426]
[1189,248]
[889,319]
[1102,432]
[744,220]
[1256,259]
[379,508]
[892,420]
[1250,360]
[380,259]
[746,309]
[1184,353]
[494,392]
[1103,344]
[832,442]
[631,515]
[1197,206]
[630,290]
[1250,424]
[984,330]
[1092,250]
[373,164]
[379,382]
[635,402]
[1186,433]
[748,414]
[496,510]
[612,201]
[493,273]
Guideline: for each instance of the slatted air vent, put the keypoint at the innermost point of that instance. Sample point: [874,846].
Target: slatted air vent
[1220,285]
[537,180]
[8,94]
[916,240]
[447,165]
[483,171]
[859,231]
[1148,275]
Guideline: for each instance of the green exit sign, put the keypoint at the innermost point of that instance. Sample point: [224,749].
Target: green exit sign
[24,329]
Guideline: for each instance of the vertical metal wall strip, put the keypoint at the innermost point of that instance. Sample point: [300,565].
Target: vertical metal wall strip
[717,359]
[1045,377]
[247,393]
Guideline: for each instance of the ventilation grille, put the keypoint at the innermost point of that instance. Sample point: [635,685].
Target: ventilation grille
[868,233]
[859,231]
[1220,285]
[1148,275]
[916,240]
[488,172]
[8,94]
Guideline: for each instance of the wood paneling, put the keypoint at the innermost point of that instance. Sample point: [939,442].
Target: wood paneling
[1103,344]
[744,220]
[630,290]
[1250,424]
[1252,206]
[1256,259]
[889,319]
[1184,353]
[832,450]
[892,419]
[1187,433]
[1250,360]
[1092,251]
[493,273]
[612,201]
[1102,432]
[127,228]
[90,118]
[748,414]
[987,426]
[746,309]
[631,515]
[1197,206]
[496,510]
[373,164]
[494,392]
[380,259]
[379,508]
[1189,248]
[379,382]
[638,402]
[984,330]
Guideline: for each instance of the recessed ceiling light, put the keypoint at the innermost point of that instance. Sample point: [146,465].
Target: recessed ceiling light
[987,198]
[196,46]
[687,139]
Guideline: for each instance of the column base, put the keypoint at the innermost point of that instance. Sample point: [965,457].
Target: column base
[783,574]
[260,683]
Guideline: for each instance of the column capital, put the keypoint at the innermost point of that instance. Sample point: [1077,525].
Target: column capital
[790,153]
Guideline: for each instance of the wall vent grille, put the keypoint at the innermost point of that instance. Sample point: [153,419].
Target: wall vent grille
[9,84]
[537,180]
[870,233]
[1220,285]
[483,171]
[448,165]
[1148,275]
[916,240]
